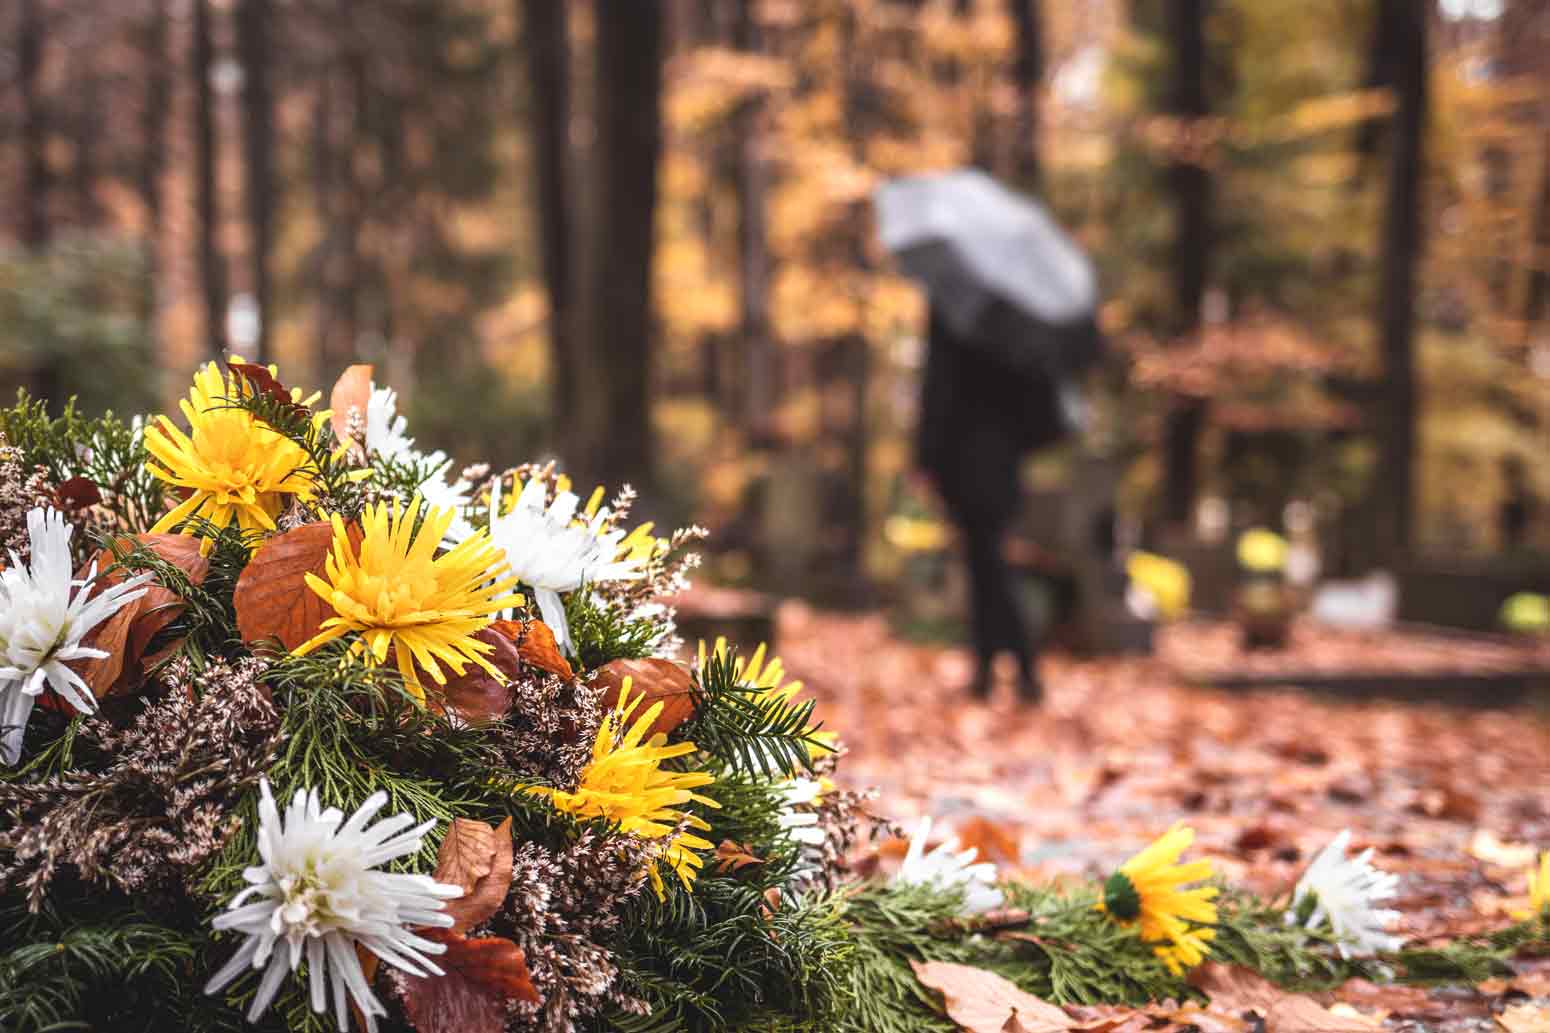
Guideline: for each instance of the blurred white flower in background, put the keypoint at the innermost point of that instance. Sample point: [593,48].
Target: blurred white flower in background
[948,867]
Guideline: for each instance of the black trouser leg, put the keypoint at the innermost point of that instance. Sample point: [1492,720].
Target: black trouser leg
[994,609]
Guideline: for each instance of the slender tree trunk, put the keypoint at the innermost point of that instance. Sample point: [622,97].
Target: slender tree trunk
[153,145]
[1405,30]
[629,144]
[1538,288]
[1028,74]
[1191,188]
[758,381]
[153,118]
[34,134]
[254,21]
[212,268]
[86,127]
[548,68]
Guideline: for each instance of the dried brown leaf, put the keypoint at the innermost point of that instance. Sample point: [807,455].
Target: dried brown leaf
[661,681]
[272,598]
[481,976]
[1237,991]
[476,694]
[983,1002]
[731,857]
[477,858]
[351,392]
[536,643]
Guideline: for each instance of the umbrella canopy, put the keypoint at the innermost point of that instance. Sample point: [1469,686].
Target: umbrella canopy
[1003,274]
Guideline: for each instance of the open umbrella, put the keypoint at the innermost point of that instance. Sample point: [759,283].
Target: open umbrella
[1002,273]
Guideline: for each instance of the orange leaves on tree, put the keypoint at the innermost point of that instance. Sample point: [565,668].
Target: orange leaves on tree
[661,681]
[272,598]
[482,973]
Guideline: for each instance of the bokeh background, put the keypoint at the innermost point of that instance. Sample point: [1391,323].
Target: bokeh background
[638,237]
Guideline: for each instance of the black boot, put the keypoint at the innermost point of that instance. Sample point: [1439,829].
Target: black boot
[1030,689]
[983,682]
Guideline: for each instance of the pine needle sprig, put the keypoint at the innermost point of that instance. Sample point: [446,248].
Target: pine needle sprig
[745,727]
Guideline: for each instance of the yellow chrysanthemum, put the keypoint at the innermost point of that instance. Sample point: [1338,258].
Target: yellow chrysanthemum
[625,783]
[1538,891]
[1148,890]
[399,595]
[236,468]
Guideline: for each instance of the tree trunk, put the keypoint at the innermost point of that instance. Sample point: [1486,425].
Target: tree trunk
[34,124]
[1191,187]
[1404,29]
[1538,291]
[253,28]
[629,144]
[1028,75]
[758,379]
[212,269]
[548,66]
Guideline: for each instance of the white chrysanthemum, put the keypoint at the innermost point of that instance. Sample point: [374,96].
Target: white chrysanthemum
[947,867]
[1343,891]
[44,615]
[319,895]
[387,436]
[386,431]
[551,552]
[801,825]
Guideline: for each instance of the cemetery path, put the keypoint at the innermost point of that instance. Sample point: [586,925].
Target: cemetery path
[1454,800]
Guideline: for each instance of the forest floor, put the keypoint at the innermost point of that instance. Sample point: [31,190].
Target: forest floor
[1454,800]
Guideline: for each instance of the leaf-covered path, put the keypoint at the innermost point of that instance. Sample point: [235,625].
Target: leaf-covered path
[1454,800]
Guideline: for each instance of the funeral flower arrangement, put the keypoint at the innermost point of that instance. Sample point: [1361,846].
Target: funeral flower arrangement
[301,728]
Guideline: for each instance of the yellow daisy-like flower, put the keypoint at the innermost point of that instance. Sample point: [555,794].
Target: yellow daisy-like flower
[1538,891]
[399,595]
[236,468]
[1148,890]
[625,783]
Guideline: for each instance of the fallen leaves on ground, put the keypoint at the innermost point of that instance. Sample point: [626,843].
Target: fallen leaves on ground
[1449,798]
[983,1002]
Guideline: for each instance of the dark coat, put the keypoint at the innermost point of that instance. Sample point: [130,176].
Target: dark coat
[978,420]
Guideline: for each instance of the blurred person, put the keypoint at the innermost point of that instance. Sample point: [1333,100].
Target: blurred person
[978,420]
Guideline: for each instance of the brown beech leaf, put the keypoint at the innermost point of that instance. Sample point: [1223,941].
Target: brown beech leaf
[983,1002]
[1236,991]
[661,681]
[477,858]
[351,391]
[77,493]
[481,976]
[262,381]
[731,857]
[477,695]
[125,635]
[535,641]
[272,598]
